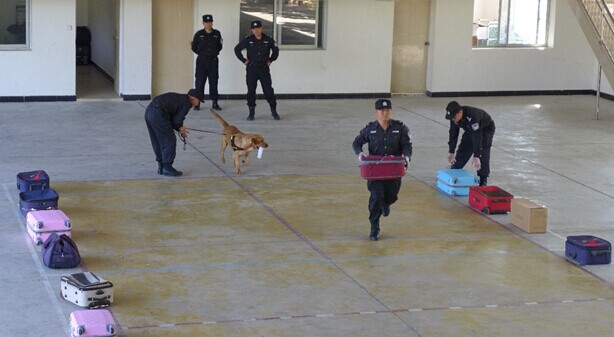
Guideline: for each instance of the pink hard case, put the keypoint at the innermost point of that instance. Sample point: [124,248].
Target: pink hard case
[40,224]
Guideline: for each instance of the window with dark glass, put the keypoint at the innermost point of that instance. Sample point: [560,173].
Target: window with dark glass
[13,23]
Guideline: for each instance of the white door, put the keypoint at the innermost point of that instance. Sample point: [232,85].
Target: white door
[173,60]
[410,46]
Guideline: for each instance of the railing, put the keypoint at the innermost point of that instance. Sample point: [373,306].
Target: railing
[603,21]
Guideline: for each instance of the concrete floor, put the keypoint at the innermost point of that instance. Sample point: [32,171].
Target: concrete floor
[283,250]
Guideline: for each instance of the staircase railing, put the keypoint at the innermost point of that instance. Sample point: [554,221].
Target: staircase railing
[603,22]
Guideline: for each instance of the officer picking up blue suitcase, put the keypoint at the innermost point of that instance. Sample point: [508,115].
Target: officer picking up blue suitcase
[479,130]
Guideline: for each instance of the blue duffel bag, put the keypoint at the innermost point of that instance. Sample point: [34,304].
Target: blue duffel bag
[38,200]
[60,251]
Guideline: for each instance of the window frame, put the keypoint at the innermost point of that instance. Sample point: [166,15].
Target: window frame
[26,45]
[319,39]
[505,5]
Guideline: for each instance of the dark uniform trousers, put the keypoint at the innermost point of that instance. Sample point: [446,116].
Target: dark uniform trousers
[161,134]
[383,193]
[260,73]
[465,150]
[207,68]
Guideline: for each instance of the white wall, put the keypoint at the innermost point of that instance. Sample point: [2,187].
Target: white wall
[48,68]
[135,47]
[357,58]
[101,18]
[455,66]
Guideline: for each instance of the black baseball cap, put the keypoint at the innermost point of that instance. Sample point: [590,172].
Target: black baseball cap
[207,18]
[383,104]
[194,93]
[452,108]
[256,24]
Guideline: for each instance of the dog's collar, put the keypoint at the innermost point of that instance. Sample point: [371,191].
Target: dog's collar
[232,143]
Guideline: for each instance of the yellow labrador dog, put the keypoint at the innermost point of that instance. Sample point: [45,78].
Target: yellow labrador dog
[242,144]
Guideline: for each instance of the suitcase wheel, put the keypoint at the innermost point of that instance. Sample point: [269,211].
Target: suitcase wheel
[111,328]
[79,330]
[39,225]
[486,210]
[38,241]
[454,180]
[67,223]
[453,193]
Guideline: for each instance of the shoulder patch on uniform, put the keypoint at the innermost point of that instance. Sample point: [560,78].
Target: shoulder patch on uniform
[475,126]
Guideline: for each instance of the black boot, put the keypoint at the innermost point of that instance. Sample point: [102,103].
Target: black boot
[386,210]
[252,112]
[374,236]
[215,106]
[160,166]
[483,181]
[274,114]
[169,170]
[197,107]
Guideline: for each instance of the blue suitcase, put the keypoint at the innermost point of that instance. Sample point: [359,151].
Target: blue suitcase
[456,182]
[32,180]
[588,249]
[38,200]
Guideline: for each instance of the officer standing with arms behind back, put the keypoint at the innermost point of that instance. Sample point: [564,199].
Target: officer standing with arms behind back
[386,137]
[261,52]
[207,44]
[477,138]
[163,116]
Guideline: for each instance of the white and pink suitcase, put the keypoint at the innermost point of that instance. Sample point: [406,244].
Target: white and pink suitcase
[87,290]
[42,223]
[97,322]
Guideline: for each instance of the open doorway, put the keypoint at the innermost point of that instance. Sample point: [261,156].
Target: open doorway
[96,39]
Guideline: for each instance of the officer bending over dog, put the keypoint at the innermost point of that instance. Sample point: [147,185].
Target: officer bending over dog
[386,137]
[163,116]
[477,138]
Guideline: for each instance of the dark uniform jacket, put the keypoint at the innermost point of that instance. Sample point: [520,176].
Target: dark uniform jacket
[474,121]
[207,45]
[259,52]
[394,141]
[173,107]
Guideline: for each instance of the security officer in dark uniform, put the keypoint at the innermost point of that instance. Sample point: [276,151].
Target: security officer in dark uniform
[207,44]
[165,115]
[385,136]
[261,51]
[477,138]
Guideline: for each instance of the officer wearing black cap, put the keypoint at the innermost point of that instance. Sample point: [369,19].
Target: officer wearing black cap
[385,136]
[477,138]
[163,116]
[207,44]
[261,51]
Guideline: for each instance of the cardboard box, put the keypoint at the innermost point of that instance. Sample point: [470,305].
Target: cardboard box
[529,216]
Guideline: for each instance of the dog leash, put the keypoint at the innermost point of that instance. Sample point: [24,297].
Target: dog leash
[199,130]
[205,131]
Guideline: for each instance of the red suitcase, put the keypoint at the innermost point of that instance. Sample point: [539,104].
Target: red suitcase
[382,167]
[490,199]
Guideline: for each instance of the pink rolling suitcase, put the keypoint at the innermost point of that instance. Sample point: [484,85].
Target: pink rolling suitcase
[42,223]
[96,322]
